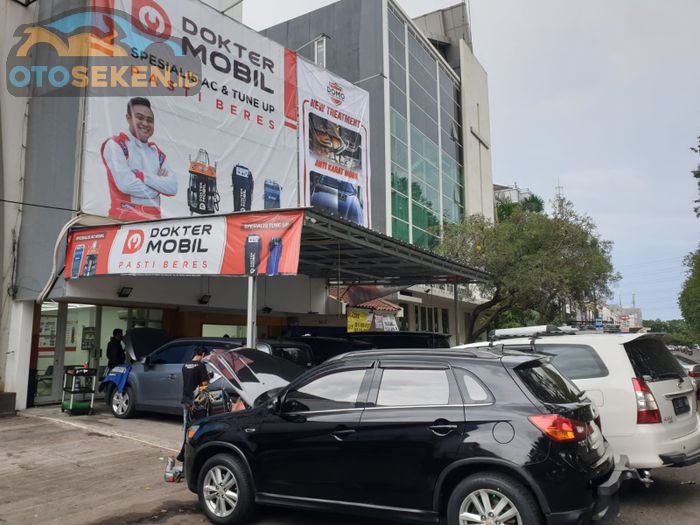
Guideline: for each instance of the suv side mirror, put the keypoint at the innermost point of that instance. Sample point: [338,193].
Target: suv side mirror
[147,362]
[275,405]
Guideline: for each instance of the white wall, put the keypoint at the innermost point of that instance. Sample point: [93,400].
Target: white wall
[12,127]
[293,295]
[477,135]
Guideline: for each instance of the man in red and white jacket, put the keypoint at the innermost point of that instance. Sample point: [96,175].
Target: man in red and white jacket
[136,168]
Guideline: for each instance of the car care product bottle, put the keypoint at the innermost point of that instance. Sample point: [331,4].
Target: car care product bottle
[202,194]
[273,259]
[272,194]
[91,261]
[253,249]
[242,180]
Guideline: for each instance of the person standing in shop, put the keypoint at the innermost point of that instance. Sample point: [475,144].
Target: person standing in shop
[115,349]
[194,377]
[137,171]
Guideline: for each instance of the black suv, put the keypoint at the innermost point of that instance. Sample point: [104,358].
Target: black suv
[415,435]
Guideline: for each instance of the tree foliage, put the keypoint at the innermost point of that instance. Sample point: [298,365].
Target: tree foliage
[678,328]
[538,262]
[689,299]
[505,207]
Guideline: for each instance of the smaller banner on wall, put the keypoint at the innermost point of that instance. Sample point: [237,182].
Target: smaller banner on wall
[359,320]
[234,245]
[333,144]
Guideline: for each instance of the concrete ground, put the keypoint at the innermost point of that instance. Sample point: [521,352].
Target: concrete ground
[90,470]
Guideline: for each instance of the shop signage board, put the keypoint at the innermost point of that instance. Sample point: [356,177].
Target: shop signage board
[244,244]
[386,323]
[359,320]
[334,165]
[230,145]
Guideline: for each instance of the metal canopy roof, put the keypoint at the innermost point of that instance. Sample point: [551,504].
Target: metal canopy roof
[344,253]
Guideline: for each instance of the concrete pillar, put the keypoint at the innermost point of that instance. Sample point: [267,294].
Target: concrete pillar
[18,350]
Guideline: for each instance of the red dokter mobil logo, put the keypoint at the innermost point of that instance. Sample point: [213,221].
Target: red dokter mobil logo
[335,90]
[134,241]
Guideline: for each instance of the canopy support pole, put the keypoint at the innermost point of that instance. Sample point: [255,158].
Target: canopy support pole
[252,312]
[458,335]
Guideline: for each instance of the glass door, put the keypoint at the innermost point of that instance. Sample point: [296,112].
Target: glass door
[50,353]
[67,338]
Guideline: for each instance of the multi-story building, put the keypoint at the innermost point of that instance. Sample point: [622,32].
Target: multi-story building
[430,115]
[431,143]
[430,162]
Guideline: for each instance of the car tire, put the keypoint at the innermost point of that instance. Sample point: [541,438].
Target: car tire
[122,405]
[225,490]
[508,501]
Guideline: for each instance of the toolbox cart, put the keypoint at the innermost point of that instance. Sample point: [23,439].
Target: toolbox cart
[79,391]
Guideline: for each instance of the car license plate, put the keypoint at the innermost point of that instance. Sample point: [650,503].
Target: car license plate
[681,405]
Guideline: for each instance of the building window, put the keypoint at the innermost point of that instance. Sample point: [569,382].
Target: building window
[320,52]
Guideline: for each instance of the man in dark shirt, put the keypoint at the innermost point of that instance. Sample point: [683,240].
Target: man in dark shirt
[115,350]
[194,375]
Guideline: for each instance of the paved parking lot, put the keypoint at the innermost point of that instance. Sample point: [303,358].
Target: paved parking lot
[55,469]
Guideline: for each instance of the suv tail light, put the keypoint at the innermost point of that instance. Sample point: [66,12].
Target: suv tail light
[647,409]
[599,423]
[694,374]
[560,428]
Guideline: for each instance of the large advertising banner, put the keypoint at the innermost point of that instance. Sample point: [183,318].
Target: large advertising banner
[228,146]
[236,245]
[333,144]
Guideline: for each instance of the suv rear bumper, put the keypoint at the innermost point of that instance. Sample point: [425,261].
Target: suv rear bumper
[605,508]
[680,459]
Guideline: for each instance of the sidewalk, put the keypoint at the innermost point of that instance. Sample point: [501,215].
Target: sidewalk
[57,469]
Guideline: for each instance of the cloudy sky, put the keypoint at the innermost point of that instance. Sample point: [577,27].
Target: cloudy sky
[601,98]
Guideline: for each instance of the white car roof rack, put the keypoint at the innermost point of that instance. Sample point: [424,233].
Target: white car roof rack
[530,331]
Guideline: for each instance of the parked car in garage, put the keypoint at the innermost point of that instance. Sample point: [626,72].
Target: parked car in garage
[323,348]
[413,435]
[647,402]
[154,382]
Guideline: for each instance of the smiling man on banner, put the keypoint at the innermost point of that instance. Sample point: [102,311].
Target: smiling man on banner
[136,169]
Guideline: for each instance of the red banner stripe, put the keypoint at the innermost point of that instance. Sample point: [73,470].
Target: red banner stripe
[290,85]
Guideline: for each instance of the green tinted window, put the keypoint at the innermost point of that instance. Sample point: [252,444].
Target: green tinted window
[399,206]
[399,230]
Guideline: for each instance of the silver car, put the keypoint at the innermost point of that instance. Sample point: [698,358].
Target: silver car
[692,367]
[153,383]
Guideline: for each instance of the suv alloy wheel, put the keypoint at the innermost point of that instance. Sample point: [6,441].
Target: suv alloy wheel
[122,404]
[494,499]
[225,491]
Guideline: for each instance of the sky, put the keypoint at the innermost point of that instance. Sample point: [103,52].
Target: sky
[601,99]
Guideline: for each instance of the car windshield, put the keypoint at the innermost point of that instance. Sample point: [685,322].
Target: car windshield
[650,358]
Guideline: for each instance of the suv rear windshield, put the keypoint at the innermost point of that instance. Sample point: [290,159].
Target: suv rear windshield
[651,358]
[547,384]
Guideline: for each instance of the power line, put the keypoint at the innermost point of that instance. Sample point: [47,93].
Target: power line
[38,205]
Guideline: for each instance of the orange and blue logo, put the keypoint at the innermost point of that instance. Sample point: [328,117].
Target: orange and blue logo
[104,51]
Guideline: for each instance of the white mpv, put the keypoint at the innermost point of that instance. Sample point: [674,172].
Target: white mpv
[647,402]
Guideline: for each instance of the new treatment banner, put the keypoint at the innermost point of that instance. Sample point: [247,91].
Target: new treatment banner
[265,243]
[229,145]
[333,144]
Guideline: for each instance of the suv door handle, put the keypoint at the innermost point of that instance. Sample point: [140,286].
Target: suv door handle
[442,429]
[340,435]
